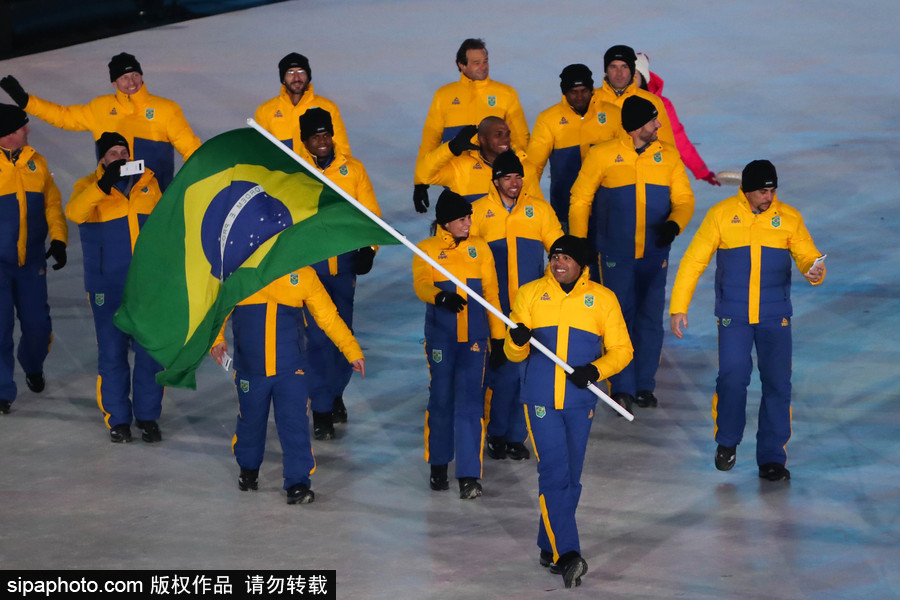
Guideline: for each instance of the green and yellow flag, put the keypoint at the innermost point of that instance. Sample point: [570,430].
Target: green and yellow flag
[239,214]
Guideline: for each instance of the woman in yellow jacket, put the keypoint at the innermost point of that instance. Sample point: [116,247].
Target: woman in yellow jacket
[457,334]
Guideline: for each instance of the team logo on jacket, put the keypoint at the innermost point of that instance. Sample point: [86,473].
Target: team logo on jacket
[611,264]
[785,322]
[343,170]
[149,113]
[540,412]
[437,356]
[776,221]
[475,347]
[489,214]
[601,118]
[99,299]
[278,114]
[529,211]
[657,157]
[492,100]
[295,279]
[113,111]
[546,296]
[442,256]
[31,166]
[736,219]
[145,189]
[478,166]
[724,322]
[589,300]
[473,252]
[619,158]
[563,121]
[245,386]
[455,101]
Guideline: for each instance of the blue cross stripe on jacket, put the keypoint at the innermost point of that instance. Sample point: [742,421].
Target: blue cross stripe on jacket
[109,225]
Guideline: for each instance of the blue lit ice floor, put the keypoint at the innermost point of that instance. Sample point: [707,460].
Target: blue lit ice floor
[813,91]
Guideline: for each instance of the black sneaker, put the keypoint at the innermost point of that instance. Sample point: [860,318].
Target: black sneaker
[725,457]
[339,411]
[5,405]
[646,399]
[323,426]
[469,488]
[623,400]
[517,451]
[35,382]
[248,480]
[496,447]
[774,472]
[572,567]
[300,494]
[547,562]
[150,432]
[120,434]
[438,479]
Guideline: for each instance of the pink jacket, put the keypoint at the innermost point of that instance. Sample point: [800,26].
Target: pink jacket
[689,154]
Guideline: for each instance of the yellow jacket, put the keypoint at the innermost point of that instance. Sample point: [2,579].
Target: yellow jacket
[470,261]
[753,255]
[267,326]
[152,125]
[468,174]
[583,326]
[606,93]
[281,118]
[467,102]
[519,238]
[30,208]
[622,197]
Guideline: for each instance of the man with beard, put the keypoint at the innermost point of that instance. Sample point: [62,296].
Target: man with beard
[280,115]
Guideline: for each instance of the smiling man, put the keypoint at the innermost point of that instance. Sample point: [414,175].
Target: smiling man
[329,371]
[582,322]
[154,127]
[280,115]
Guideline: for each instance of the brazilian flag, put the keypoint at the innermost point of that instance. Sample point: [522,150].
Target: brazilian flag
[240,214]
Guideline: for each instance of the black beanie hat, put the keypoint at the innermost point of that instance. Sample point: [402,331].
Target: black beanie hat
[108,140]
[623,53]
[757,175]
[575,75]
[314,121]
[12,118]
[637,112]
[506,163]
[292,61]
[121,64]
[573,246]
[450,207]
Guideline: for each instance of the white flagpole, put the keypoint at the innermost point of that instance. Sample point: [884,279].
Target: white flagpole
[403,240]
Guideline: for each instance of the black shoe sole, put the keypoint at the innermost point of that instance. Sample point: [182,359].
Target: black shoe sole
[572,574]
[324,435]
[308,497]
[439,485]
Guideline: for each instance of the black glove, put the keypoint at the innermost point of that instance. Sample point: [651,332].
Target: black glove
[364,259]
[110,175]
[451,301]
[583,375]
[12,87]
[667,233]
[420,197]
[498,357]
[463,140]
[520,334]
[58,252]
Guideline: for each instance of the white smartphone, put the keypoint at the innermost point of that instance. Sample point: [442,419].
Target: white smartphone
[226,362]
[819,261]
[132,167]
